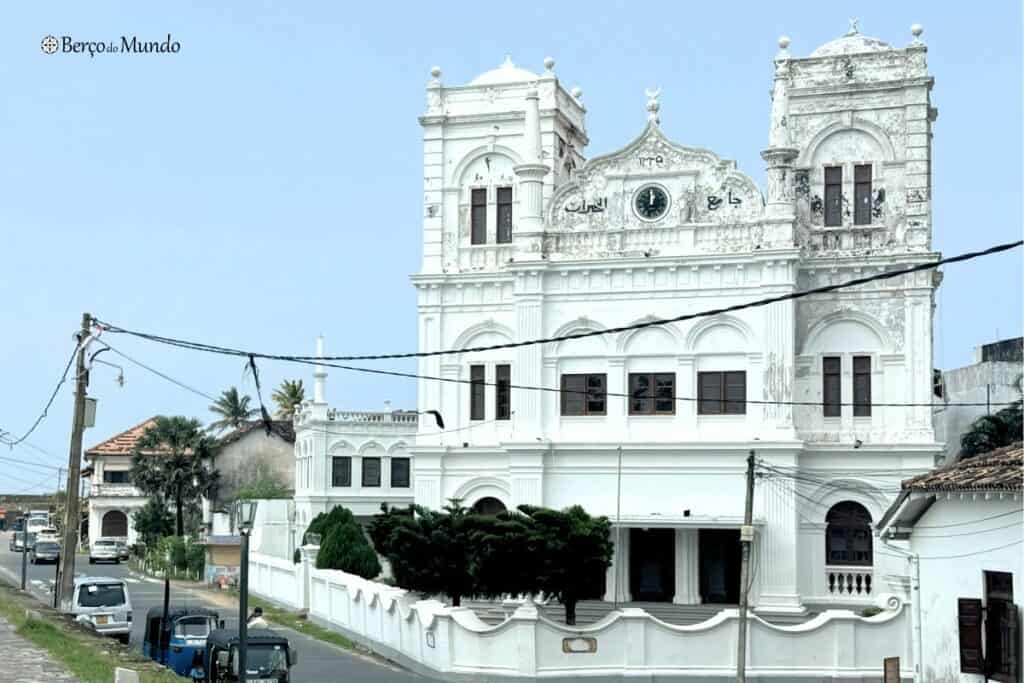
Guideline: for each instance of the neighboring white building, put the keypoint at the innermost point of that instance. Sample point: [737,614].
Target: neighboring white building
[112,497]
[352,458]
[987,386]
[964,523]
[524,238]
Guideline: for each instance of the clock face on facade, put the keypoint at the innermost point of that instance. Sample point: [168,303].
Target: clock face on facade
[651,202]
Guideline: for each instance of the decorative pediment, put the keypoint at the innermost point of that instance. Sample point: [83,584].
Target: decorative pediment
[698,187]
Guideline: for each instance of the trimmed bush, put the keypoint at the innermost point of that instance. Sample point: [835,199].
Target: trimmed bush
[346,547]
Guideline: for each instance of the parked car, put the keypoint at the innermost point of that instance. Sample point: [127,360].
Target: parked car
[123,553]
[104,550]
[105,604]
[183,636]
[44,551]
[17,543]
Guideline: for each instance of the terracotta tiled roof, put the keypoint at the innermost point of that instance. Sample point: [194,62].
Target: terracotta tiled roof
[283,428]
[998,470]
[121,444]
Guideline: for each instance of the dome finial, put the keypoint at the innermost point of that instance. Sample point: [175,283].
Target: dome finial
[549,66]
[916,30]
[653,105]
[508,61]
[853,27]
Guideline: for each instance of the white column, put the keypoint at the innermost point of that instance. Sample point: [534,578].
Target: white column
[687,567]
[618,572]
[529,359]
[777,575]
[779,373]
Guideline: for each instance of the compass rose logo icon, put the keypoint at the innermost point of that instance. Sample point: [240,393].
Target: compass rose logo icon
[49,45]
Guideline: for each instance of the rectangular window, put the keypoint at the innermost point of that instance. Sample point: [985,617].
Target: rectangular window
[652,394]
[584,394]
[831,386]
[115,477]
[969,617]
[833,195]
[862,194]
[478,217]
[502,392]
[1002,637]
[862,386]
[371,471]
[722,393]
[477,392]
[504,215]
[399,473]
[341,470]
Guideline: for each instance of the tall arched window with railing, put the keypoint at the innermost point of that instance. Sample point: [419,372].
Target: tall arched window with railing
[848,550]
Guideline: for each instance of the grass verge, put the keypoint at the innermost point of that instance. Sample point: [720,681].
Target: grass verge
[90,657]
[300,623]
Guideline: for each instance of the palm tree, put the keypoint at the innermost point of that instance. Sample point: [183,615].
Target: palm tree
[168,463]
[289,396]
[233,409]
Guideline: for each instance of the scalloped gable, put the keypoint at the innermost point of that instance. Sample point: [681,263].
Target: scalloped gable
[703,187]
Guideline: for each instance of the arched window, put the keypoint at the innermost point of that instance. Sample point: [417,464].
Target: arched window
[848,535]
[115,524]
[488,506]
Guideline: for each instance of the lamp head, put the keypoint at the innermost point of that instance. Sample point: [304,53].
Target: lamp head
[245,513]
[313,539]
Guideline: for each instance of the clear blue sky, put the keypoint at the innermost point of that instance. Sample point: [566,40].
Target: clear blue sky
[264,184]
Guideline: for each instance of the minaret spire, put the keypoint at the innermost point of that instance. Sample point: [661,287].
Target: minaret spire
[529,231]
[320,374]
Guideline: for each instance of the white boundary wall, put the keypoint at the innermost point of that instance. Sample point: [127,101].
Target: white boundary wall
[454,644]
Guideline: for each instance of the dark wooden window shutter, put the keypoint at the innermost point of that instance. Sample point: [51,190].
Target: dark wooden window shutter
[478,217]
[862,194]
[833,196]
[968,612]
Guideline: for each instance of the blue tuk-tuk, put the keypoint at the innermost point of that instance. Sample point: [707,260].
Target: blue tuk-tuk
[270,656]
[184,634]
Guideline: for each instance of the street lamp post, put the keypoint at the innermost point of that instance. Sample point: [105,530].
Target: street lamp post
[246,515]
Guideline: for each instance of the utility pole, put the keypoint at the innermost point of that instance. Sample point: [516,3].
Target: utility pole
[24,550]
[746,540]
[66,587]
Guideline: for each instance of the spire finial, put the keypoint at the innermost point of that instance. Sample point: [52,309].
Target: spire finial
[916,30]
[652,104]
[853,27]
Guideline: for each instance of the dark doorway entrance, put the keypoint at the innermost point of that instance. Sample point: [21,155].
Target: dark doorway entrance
[720,566]
[652,567]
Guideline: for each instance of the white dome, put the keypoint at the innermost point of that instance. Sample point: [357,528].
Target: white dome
[851,43]
[506,73]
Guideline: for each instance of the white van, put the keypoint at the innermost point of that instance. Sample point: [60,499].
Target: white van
[105,604]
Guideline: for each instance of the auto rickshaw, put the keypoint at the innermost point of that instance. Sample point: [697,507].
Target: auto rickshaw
[269,657]
[184,634]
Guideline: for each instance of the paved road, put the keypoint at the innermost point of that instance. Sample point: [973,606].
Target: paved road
[318,661]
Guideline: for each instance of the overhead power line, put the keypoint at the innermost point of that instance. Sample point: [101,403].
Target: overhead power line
[887,275]
[46,408]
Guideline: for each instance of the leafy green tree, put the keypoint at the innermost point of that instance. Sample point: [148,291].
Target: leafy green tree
[167,464]
[263,489]
[153,521]
[992,431]
[432,552]
[346,547]
[288,397]
[233,410]
[571,551]
[383,525]
[500,544]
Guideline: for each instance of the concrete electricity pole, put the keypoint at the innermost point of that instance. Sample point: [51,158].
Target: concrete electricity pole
[746,539]
[66,587]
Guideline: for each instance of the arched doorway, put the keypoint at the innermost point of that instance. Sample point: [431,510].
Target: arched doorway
[115,524]
[848,535]
[488,506]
